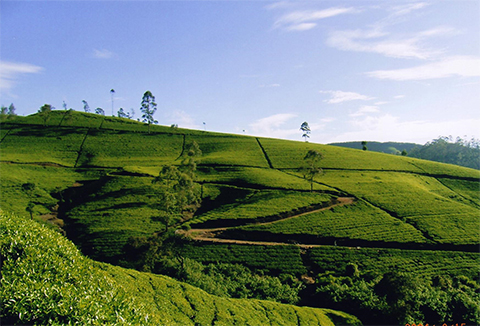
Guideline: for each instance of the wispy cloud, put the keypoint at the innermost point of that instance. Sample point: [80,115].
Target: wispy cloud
[341,96]
[306,19]
[11,71]
[364,110]
[386,127]
[183,119]
[381,42]
[269,85]
[407,8]
[102,54]
[462,66]
[272,126]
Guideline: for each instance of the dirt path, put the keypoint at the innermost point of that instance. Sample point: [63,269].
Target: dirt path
[209,235]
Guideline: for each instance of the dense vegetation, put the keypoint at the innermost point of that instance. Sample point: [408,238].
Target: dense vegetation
[443,149]
[46,280]
[460,151]
[242,219]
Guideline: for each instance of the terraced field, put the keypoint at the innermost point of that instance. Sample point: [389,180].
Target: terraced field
[257,209]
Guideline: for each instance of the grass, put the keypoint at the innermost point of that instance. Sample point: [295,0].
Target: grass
[45,280]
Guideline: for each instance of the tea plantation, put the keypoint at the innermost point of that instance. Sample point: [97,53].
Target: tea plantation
[94,179]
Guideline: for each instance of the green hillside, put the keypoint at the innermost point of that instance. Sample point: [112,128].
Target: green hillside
[91,177]
[46,280]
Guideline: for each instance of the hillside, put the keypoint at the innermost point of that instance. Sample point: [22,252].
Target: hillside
[46,280]
[382,147]
[369,215]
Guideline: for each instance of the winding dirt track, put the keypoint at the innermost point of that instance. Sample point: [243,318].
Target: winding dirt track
[209,235]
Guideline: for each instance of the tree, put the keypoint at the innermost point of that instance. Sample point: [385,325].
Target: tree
[122,114]
[364,145]
[148,108]
[112,92]
[305,128]
[29,209]
[404,152]
[64,105]
[44,112]
[311,170]
[177,192]
[190,155]
[99,111]
[3,112]
[86,107]
[11,110]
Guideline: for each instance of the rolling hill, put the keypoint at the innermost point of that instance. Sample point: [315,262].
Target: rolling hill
[91,176]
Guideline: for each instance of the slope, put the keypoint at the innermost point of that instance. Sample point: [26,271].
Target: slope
[45,280]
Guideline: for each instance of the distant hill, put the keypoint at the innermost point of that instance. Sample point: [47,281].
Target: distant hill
[387,147]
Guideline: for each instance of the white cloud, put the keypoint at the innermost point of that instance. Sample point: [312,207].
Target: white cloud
[381,103]
[102,54]
[378,41]
[304,20]
[398,96]
[301,27]
[463,66]
[183,120]
[272,126]
[406,9]
[390,128]
[340,96]
[269,85]
[365,110]
[10,72]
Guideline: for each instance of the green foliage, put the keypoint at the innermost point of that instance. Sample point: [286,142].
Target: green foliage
[148,109]
[46,281]
[41,145]
[378,261]
[118,148]
[44,113]
[358,221]
[311,169]
[263,204]
[274,259]
[443,149]
[397,298]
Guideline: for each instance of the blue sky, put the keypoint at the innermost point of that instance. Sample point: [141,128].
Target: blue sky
[354,70]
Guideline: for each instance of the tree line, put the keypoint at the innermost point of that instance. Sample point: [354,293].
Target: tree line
[460,151]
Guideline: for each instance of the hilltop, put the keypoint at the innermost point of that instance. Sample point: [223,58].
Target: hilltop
[92,176]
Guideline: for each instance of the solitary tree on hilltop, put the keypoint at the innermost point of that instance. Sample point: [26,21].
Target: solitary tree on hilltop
[364,145]
[112,92]
[148,108]
[99,111]
[311,170]
[44,112]
[306,130]
[86,107]
[11,110]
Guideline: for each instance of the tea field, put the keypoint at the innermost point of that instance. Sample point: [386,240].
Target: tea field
[95,176]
